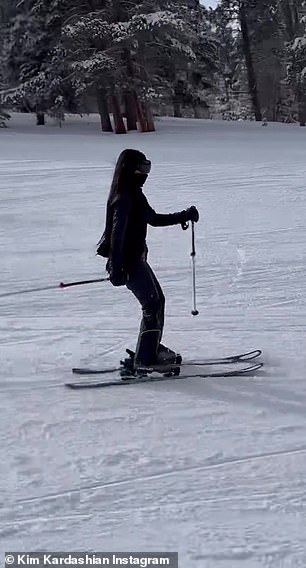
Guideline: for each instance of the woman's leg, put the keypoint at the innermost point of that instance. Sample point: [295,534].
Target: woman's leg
[146,288]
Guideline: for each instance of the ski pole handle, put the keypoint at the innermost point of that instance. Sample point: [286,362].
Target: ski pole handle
[193,254]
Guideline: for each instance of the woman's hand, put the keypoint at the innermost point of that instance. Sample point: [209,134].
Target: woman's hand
[192,214]
[118,277]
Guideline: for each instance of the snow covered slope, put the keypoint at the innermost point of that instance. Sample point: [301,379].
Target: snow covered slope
[214,469]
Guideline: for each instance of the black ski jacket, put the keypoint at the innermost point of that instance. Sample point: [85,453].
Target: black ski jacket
[126,229]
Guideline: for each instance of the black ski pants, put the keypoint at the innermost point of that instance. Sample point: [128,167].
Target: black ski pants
[146,288]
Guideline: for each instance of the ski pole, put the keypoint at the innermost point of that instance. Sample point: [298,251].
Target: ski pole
[54,287]
[193,254]
[81,282]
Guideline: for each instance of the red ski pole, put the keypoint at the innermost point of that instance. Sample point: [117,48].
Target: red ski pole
[81,282]
[54,287]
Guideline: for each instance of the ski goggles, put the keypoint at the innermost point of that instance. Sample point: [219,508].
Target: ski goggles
[144,167]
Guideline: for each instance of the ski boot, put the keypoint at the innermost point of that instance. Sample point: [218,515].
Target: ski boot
[145,357]
[167,362]
[127,364]
[128,369]
[167,357]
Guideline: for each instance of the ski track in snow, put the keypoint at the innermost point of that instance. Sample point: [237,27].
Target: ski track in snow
[212,468]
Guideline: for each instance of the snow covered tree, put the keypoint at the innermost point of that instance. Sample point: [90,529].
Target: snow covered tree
[196,64]
[178,63]
[295,14]
[253,32]
[239,12]
[6,9]
[127,53]
[32,36]
[121,52]
[267,46]
[232,101]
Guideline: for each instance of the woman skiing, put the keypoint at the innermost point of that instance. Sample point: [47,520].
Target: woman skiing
[124,244]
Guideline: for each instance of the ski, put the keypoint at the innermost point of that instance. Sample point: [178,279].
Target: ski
[130,380]
[243,357]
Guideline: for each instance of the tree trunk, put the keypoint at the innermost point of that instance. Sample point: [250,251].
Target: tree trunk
[118,120]
[3,117]
[130,102]
[140,116]
[302,110]
[106,124]
[249,61]
[40,118]
[197,111]
[290,17]
[177,111]
[131,111]
[149,117]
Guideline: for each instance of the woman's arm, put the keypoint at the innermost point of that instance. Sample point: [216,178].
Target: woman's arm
[164,220]
[117,241]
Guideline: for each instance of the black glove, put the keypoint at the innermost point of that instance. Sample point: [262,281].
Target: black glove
[192,214]
[118,277]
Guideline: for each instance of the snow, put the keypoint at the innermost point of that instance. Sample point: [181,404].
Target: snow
[299,43]
[212,468]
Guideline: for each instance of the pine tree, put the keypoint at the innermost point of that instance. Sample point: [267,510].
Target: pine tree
[32,36]
[6,10]
[127,53]
[199,67]
[239,13]
[267,46]
[121,59]
[232,101]
[296,32]
[179,62]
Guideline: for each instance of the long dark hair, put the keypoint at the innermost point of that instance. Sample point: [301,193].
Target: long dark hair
[125,168]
